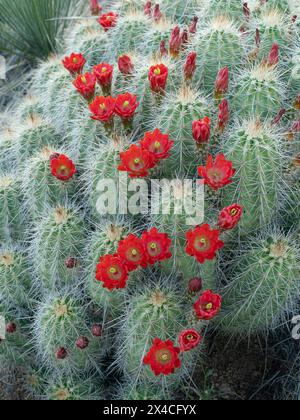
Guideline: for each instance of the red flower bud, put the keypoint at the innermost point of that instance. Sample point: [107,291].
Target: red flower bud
[222,81]
[175,42]
[61,353]
[148,8]
[82,343]
[125,64]
[273,57]
[157,15]
[163,49]
[71,263]
[223,117]
[246,11]
[11,328]
[201,130]
[95,7]
[230,216]
[193,25]
[96,330]
[190,65]
[279,116]
[184,38]
[195,285]
[75,63]
[158,77]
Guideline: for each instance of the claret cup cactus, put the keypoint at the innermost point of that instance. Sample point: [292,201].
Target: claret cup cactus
[103,281]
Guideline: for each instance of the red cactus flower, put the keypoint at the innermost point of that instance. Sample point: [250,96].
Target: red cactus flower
[190,65]
[126,105]
[163,49]
[175,42]
[136,162]
[103,108]
[95,7]
[112,271]
[125,64]
[148,8]
[61,353]
[223,117]
[104,74]
[273,57]
[230,216]
[96,330]
[218,173]
[108,20]
[157,246]
[82,343]
[208,305]
[157,15]
[163,357]
[75,63]
[62,168]
[193,25]
[132,252]
[203,243]
[189,339]
[85,85]
[158,77]
[201,130]
[222,81]
[158,144]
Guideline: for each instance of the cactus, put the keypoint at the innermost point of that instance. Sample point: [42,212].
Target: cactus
[15,280]
[60,321]
[61,254]
[265,282]
[59,235]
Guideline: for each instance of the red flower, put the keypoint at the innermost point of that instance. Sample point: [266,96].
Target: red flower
[208,305]
[175,42]
[201,130]
[75,63]
[273,57]
[108,20]
[189,339]
[203,243]
[157,246]
[85,85]
[223,117]
[95,7]
[157,144]
[148,8]
[125,64]
[62,168]
[230,216]
[112,271]
[126,104]
[103,108]
[217,173]
[157,15]
[158,76]
[163,357]
[136,162]
[131,251]
[104,74]
[222,81]
[190,65]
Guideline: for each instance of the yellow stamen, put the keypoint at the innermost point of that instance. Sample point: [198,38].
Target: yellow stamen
[104,69]
[157,145]
[102,106]
[74,60]
[137,161]
[83,79]
[157,71]
[153,245]
[234,212]
[113,270]
[209,306]
[134,252]
[126,104]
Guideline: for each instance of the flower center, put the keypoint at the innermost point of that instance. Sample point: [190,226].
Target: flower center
[104,69]
[137,161]
[83,79]
[153,246]
[134,252]
[157,71]
[190,337]
[126,104]
[113,270]
[157,145]
[63,170]
[234,212]
[74,60]
[163,356]
[209,306]
[215,175]
[102,106]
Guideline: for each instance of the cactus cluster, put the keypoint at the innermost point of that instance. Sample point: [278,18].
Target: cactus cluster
[205,91]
